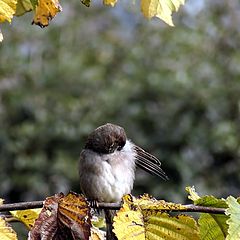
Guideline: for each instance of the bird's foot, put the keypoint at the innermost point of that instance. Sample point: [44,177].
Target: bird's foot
[94,205]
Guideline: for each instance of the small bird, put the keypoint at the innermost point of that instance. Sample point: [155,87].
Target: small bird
[108,161]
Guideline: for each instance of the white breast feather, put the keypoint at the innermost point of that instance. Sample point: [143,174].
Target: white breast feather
[115,176]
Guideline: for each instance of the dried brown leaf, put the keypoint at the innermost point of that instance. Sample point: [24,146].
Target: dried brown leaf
[63,217]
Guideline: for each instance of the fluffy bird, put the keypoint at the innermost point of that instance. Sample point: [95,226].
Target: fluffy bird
[108,161]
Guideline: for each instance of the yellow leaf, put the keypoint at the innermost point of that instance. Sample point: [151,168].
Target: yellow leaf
[213,226]
[110,2]
[6,232]
[160,225]
[97,234]
[143,218]
[146,202]
[7,9]
[176,3]
[27,217]
[149,8]
[128,224]
[45,11]
[160,8]
[1,200]
[23,6]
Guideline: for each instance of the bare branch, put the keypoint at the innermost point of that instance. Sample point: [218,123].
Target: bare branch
[114,206]
[202,209]
[21,206]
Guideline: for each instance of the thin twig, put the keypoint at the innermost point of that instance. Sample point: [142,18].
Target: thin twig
[21,206]
[202,209]
[114,206]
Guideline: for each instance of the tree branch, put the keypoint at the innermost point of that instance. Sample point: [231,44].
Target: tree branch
[21,206]
[202,209]
[114,206]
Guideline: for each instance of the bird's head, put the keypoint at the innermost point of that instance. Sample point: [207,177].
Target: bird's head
[106,139]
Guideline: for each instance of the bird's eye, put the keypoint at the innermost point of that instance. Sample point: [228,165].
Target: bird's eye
[119,148]
[111,148]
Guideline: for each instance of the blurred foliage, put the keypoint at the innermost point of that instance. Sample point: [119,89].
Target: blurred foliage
[174,90]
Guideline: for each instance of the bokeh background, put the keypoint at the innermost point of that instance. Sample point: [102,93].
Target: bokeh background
[176,91]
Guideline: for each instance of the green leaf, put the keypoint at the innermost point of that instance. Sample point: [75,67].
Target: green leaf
[233,212]
[213,226]
[211,201]
[23,6]
[98,221]
[34,3]
[207,201]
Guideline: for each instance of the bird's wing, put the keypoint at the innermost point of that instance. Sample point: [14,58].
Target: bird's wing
[149,163]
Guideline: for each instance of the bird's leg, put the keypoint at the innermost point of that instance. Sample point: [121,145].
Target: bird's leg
[94,205]
[109,214]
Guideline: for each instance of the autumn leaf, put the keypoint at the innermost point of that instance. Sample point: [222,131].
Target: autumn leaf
[6,232]
[146,202]
[7,10]
[128,223]
[46,224]
[23,6]
[110,2]
[27,217]
[142,218]
[45,11]
[74,211]
[162,9]
[63,217]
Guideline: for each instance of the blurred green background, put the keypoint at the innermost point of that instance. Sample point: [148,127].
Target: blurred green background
[176,91]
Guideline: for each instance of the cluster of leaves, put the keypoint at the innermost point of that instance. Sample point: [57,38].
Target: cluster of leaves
[45,10]
[68,217]
[146,218]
